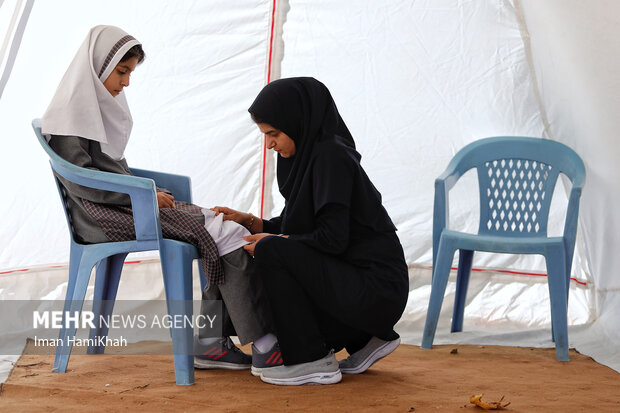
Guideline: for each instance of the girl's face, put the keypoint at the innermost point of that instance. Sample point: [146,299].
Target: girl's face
[277,140]
[119,78]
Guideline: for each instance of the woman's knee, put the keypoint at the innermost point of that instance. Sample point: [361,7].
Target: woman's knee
[268,251]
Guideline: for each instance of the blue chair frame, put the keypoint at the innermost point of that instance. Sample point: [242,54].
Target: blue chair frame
[516,176]
[176,257]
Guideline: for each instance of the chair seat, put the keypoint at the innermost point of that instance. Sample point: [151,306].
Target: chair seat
[110,248]
[499,244]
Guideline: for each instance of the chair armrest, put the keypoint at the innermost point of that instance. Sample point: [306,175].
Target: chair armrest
[572,216]
[443,185]
[450,175]
[441,209]
[179,185]
[570,223]
[440,213]
[140,190]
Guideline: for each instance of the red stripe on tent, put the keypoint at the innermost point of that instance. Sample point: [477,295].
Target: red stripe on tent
[9,272]
[452,268]
[264,171]
[262,188]
[518,273]
[27,269]
[59,266]
[272,31]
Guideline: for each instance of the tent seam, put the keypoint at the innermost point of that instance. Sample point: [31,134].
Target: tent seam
[15,44]
[525,37]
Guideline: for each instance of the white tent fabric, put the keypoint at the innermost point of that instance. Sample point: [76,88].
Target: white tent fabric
[14,19]
[415,82]
[575,49]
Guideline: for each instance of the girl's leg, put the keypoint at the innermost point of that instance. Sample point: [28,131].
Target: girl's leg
[244,297]
[244,313]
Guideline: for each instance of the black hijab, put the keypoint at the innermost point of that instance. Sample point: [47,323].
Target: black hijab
[303,108]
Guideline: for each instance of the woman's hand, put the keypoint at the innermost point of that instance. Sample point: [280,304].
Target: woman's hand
[232,215]
[165,200]
[253,239]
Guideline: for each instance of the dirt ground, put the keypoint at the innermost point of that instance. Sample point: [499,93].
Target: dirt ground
[409,380]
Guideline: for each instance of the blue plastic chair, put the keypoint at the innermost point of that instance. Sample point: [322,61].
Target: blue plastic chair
[176,257]
[516,177]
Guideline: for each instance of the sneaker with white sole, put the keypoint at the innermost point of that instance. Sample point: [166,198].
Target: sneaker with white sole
[322,371]
[222,354]
[372,352]
[266,360]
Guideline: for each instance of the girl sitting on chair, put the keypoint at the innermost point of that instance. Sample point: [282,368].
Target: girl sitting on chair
[88,123]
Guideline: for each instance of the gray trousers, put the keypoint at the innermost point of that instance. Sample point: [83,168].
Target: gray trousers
[245,309]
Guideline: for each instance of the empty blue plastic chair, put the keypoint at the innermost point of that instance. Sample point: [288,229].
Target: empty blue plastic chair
[176,257]
[516,179]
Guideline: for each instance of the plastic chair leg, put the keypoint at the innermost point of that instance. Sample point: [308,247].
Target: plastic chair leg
[74,266]
[176,261]
[203,279]
[466,258]
[556,275]
[106,286]
[441,273]
[567,269]
[73,308]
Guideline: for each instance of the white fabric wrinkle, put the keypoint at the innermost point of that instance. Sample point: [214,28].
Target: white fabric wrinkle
[228,235]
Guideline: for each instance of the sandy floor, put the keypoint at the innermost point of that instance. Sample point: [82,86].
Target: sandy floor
[409,380]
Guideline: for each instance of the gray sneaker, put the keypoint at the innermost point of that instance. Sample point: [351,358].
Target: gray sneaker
[223,354]
[322,371]
[372,352]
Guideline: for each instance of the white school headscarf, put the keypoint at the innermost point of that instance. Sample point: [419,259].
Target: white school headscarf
[82,106]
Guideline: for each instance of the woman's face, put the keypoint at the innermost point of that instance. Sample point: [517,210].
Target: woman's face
[119,78]
[277,140]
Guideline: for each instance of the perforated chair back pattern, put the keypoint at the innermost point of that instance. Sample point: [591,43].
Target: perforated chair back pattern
[516,197]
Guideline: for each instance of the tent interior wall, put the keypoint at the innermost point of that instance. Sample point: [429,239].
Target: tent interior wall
[414,80]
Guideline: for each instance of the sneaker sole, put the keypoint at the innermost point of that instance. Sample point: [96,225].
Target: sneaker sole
[314,378]
[375,356]
[257,371]
[211,365]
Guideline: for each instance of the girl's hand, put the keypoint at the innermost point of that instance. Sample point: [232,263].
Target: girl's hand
[165,200]
[253,239]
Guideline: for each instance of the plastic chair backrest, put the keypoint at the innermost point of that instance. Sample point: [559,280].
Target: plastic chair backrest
[141,190]
[54,157]
[516,177]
